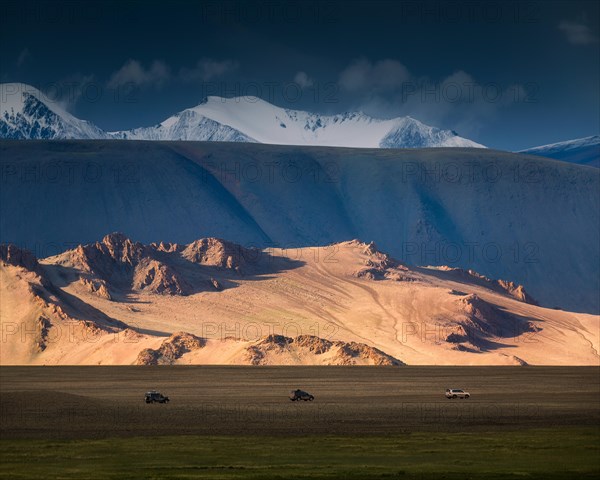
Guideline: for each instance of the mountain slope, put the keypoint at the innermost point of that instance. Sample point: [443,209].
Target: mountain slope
[583,151]
[364,308]
[28,114]
[252,119]
[504,215]
[187,125]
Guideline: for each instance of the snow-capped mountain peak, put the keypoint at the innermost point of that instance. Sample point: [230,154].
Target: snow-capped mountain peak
[27,113]
[255,120]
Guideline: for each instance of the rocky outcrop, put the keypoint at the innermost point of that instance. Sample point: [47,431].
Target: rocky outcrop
[379,265]
[167,247]
[114,254]
[159,278]
[339,353]
[170,350]
[220,253]
[349,352]
[96,286]
[111,260]
[117,263]
[502,286]
[313,344]
[18,257]
[516,291]
[482,323]
[42,328]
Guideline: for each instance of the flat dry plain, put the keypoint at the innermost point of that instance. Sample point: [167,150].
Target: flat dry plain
[103,402]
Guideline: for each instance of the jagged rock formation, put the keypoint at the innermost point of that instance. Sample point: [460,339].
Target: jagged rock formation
[503,286]
[96,286]
[117,263]
[517,291]
[266,349]
[342,353]
[379,265]
[170,350]
[157,277]
[18,257]
[220,253]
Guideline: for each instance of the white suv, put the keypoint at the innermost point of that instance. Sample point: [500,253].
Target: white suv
[456,393]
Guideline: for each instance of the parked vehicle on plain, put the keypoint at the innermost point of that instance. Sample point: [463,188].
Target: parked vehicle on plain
[456,393]
[297,395]
[153,396]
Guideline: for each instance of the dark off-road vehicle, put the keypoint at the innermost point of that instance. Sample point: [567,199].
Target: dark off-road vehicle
[297,395]
[154,396]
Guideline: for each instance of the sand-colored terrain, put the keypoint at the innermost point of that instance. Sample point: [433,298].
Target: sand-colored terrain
[213,302]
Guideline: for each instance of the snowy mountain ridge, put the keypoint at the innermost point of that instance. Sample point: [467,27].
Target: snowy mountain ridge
[26,113]
[253,119]
[567,144]
[583,151]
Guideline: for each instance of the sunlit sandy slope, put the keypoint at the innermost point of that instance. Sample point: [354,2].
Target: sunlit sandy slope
[212,302]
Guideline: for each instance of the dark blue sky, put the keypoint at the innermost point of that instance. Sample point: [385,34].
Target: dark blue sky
[506,74]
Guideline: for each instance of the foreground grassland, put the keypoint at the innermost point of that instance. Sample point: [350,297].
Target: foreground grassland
[544,454]
[237,422]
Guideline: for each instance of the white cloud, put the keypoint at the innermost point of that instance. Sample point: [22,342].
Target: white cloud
[77,87]
[159,73]
[134,72]
[303,80]
[384,75]
[386,89]
[23,56]
[207,69]
[578,33]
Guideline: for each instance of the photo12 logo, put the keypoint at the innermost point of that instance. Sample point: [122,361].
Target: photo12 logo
[68,173]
